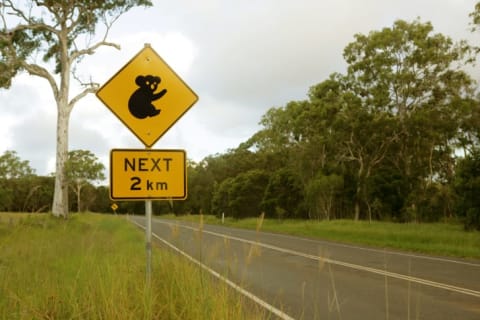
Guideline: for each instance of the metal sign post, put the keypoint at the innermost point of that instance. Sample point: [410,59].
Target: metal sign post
[148,240]
[149,98]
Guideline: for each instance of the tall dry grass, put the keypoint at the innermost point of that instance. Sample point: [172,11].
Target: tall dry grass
[93,267]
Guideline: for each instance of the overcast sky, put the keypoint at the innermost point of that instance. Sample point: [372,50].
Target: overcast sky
[240,57]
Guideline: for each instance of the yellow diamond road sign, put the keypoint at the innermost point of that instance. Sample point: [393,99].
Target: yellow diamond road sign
[147,96]
[141,174]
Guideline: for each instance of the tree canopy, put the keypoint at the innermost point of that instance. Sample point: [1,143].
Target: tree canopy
[48,39]
[83,167]
[12,167]
[381,141]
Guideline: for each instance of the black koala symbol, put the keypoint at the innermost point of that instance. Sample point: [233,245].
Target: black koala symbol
[140,103]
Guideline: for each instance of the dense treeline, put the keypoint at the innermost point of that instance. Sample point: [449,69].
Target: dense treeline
[394,138]
[21,190]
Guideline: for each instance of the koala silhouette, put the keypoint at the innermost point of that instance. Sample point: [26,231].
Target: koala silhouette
[140,102]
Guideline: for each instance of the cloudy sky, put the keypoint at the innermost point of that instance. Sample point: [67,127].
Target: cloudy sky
[240,57]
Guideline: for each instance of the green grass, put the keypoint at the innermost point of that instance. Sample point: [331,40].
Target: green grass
[93,267]
[446,239]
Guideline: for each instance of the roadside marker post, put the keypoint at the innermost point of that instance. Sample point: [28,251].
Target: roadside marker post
[114,207]
[148,97]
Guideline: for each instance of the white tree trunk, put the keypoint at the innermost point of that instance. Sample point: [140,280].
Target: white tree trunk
[60,197]
[79,190]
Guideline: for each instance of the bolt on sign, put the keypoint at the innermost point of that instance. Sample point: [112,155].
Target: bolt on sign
[140,174]
[147,96]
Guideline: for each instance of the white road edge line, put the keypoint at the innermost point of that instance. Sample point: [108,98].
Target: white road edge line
[282,315]
[340,263]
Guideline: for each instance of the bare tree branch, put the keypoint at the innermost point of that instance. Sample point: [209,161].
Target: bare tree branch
[93,87]
[36,70]
[15,11]
[91,50]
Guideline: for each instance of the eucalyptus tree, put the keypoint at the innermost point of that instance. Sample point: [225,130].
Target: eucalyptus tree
[467,188]
[472,125]
[13,172]
[321,194]
[403,101]
[82,167]
[364,139]
[11,166]
[467,170]
[246,192]
[418,77]
[283,195]
[48,39]
[302,134]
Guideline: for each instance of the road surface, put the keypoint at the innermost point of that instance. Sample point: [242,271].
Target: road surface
[312,279]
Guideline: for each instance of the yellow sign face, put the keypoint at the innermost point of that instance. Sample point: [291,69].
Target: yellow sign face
[141,174]
[147,96]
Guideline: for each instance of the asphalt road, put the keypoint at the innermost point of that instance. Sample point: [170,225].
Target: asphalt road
[310,279]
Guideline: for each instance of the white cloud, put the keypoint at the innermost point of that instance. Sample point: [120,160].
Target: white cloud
[6,137]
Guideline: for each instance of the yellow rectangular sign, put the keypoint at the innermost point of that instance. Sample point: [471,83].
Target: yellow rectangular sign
[142,174]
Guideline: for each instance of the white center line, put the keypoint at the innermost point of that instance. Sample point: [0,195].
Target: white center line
[417,256]
[340,263]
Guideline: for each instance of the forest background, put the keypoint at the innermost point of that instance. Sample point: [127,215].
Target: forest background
[395,138]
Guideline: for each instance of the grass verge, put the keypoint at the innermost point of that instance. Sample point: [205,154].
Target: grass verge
[93,267]
[446,239]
